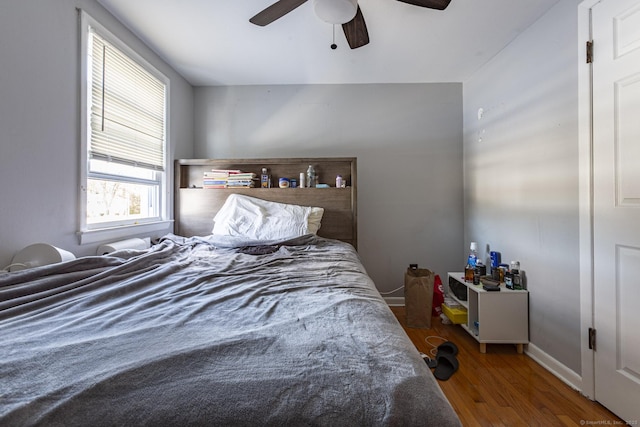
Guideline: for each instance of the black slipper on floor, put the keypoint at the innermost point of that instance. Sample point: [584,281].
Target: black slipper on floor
[447,365]
[447,348]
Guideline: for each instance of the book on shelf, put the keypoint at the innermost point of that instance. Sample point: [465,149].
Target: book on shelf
[224,171]
[228,186]
[242,176]
[225,178]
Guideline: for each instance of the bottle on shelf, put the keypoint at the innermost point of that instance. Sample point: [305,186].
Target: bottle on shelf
[311,177]
[496,259]
[479,271]
[472,260]
[502,272]
[515,275]
[508,280]
[473,254]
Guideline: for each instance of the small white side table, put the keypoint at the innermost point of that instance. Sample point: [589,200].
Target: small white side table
[498,317]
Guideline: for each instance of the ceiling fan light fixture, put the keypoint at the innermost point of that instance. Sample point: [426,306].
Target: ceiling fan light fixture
[336,11]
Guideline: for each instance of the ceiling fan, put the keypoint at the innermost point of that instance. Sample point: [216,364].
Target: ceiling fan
[344,12]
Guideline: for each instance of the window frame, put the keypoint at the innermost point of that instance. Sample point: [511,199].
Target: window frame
[91,233]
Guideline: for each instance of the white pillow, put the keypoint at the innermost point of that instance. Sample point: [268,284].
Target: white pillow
[314,219]
[257,219]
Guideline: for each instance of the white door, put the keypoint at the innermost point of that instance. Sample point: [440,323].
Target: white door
[616,204]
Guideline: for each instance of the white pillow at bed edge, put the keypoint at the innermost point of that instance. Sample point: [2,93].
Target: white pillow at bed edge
[259,219]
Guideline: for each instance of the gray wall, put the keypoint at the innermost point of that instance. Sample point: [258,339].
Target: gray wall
[408,141]
[40,119]
[521,180]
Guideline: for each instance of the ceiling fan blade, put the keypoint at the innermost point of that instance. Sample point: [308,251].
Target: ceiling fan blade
[275,11]
[356,31]
[431,4]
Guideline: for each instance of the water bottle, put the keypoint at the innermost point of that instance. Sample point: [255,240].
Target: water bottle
[472,260]
[311,177]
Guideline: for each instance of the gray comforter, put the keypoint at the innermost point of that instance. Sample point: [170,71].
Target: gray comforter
[199,332]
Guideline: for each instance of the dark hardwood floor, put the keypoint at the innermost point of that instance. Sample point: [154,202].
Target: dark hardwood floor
[503,388]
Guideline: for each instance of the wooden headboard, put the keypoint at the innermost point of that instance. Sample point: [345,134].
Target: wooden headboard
[195,206]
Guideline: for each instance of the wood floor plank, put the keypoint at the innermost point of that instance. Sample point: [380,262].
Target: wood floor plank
[502,387]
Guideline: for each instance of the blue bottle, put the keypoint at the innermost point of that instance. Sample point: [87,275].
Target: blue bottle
[472,260]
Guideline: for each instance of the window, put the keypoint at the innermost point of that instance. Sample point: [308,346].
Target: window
[124,144]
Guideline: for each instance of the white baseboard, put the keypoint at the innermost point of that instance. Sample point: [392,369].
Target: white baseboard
[563,373]
[394,301]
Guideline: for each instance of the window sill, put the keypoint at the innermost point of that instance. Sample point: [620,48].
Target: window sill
[124,231]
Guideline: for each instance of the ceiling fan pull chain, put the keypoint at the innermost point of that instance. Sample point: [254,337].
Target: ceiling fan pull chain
[334,45]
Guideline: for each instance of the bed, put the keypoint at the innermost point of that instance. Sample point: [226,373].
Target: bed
[210,330]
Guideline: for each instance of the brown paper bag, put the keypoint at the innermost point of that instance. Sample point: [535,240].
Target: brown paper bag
[418,296]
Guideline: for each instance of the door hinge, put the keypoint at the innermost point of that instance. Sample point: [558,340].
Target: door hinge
[592,339]
[589,51]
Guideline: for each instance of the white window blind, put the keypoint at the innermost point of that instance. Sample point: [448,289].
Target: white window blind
[127,109]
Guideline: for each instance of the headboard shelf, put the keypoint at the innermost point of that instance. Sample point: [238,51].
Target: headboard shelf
[195,206]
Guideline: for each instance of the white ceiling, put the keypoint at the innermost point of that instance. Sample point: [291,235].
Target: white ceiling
[212,42]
